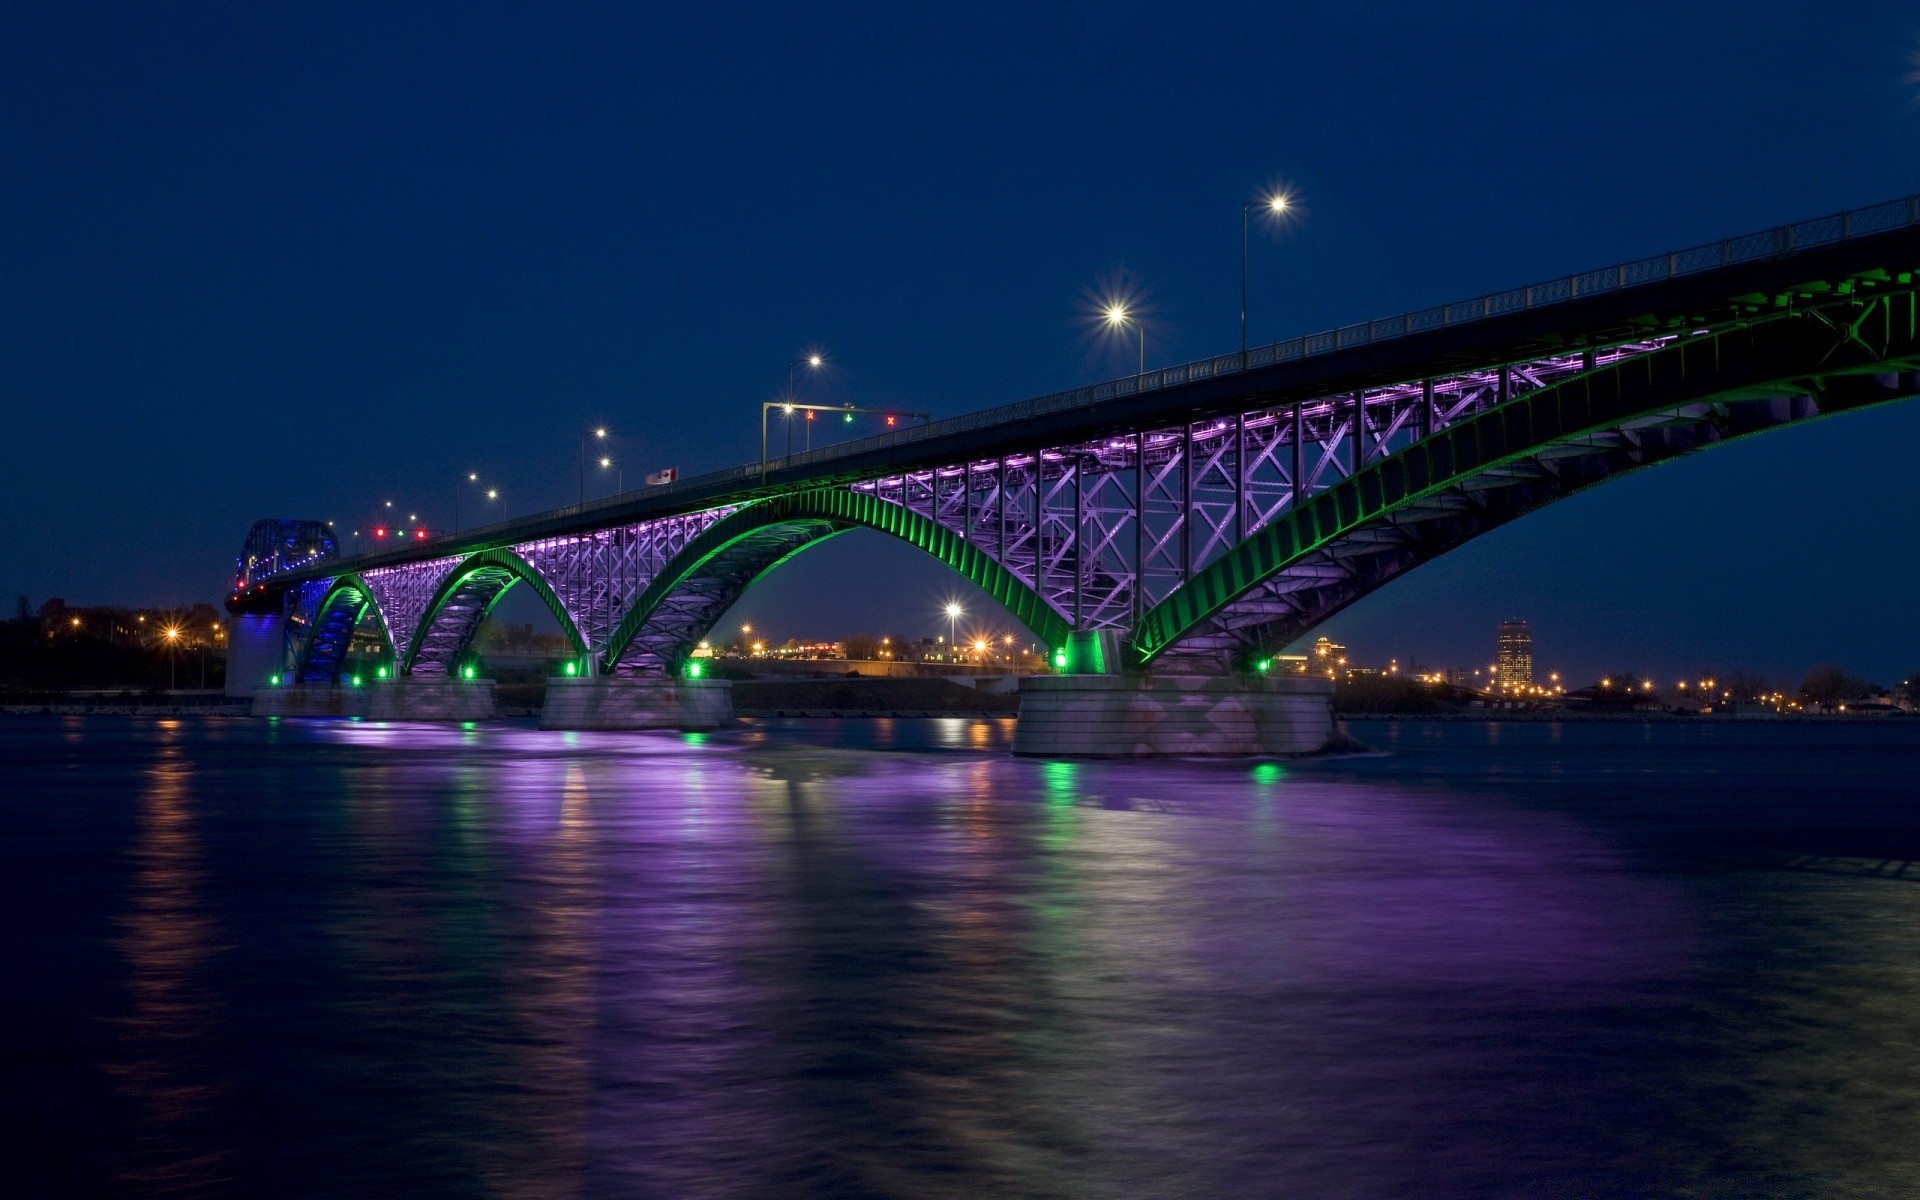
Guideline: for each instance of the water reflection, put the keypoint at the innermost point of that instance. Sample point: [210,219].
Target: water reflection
[869,958]
[168,939]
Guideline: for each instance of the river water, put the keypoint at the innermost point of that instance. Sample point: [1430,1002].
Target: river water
[885,958]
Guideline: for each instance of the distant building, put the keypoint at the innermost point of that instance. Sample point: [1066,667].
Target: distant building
[1513,663]
[1329,658]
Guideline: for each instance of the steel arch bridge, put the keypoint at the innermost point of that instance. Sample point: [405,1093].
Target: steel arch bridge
[1204,516]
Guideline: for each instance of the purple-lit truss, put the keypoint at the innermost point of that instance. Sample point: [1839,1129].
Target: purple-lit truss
[1105,530]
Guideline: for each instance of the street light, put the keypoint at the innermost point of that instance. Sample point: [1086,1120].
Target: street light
[619,475]
[600,432]
[472,477]
[1276,205]
[172,634]
[954,612]
[811,362]
[1118,318]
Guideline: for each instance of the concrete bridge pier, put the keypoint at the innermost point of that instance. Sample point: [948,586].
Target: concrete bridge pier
[430,698]
[1167,716]
[637,702]
[309,700]
[256,652]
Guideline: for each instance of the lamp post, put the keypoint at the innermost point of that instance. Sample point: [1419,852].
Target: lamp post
[1275,204]
[954,612]
[811,361]
[172,634]
[786,406]
[600,433]
[619,474]
[472,477]
[1119,318]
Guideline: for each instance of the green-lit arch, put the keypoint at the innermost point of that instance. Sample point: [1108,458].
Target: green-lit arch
[347,594]
[1730,383]
[519,570]
[813,516]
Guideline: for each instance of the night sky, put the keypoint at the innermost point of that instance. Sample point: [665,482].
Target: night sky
[278,261]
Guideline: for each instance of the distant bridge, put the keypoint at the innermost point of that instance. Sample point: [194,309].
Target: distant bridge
[1192,520]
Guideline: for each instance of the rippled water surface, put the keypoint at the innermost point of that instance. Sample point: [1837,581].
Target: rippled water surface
[887,959]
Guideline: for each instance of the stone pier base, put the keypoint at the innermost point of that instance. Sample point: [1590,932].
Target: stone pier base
[309,700]
[1121,716]
[637,702]
[425,698]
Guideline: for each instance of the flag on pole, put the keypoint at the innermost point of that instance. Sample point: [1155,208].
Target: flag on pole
[666,476]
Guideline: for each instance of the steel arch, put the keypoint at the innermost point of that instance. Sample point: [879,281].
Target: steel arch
[1538,447]
[341,608]
[466,595]
[682,602]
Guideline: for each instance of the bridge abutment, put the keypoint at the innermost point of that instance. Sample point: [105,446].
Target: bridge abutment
[423,698]
[1155,716]
[256,652]
[637,702]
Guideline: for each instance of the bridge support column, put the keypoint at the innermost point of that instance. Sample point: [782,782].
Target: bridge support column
[256,652]
[1164,716]
[428,698]
[636,702]
[309,700]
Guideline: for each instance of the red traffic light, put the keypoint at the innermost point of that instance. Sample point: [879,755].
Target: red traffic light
[419,533]
[380,533]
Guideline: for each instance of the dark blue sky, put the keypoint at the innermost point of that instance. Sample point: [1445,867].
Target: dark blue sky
[297,262]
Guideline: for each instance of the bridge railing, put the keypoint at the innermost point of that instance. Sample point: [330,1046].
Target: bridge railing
[1778,242]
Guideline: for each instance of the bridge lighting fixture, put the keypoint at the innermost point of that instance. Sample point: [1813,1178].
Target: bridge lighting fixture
[695,670]
[493,494]
[569,669]
[466,672]
[273,681]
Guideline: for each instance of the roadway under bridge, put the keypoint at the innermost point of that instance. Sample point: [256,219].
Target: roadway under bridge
[1165,534]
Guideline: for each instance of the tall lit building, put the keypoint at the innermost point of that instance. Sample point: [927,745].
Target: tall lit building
[1513,665]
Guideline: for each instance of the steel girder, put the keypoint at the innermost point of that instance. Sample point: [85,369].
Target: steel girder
[329,634]
[681,603]
[462,601]
[1537,447]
